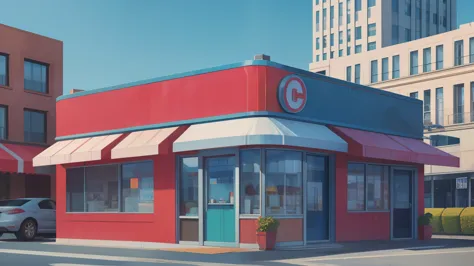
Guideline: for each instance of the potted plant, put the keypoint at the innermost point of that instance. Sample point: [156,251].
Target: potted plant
[266,232]
[425,230]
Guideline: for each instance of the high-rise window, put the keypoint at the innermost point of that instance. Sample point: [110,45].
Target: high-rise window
[331,39]
[35,76]
[3,70]
[348,7]
[348,50]
[371,46]
[374,71]
[325,57]
[348,35]
[349,73]
[340,13]
[358,49]
[395,66]
[407,35]
[371,3]
[331,17]
[439,106]
[317,43]
[324,42]
[331,55]
[458,112]
[341,52]
[34,126]
[427,106]
[426,59]
[395,34]
[414,95]
[408,7]
[324,18]
[357,74]
[3,122]
[358,33]
[471,50]
[317,58]
[439,57]
[427,18]
[417,19]
[413,62]
[458,53]
[472,104]
[372,29]
[384,68]
[395,5]
[358,5]
[341,34]
[317,21]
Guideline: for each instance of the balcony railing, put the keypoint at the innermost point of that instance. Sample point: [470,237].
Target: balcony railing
[460,118]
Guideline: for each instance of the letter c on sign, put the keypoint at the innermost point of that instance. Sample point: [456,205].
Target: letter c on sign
[292,94]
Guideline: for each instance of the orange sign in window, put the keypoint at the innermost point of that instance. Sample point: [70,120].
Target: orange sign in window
[134,183]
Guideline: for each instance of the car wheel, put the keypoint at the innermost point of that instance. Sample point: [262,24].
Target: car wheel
[27,231]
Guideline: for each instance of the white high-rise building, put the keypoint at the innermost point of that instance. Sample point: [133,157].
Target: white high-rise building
[345,27]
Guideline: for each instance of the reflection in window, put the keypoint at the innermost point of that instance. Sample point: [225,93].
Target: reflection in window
[75,189]
[102,188]
[137,187]
[34,126]
[220,175]
[317,185]
[250,182]
[284,181]
[355,187]
[36,77]
[188,187]
[427,190]
[377,188]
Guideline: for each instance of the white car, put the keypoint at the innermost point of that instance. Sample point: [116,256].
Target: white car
[28,217]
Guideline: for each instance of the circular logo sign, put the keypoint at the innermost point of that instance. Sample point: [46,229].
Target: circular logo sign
[292,94]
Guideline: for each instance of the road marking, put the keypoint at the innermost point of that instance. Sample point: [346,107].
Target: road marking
[102,257]
[391,254]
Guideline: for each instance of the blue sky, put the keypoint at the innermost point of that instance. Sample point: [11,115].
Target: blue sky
[109,42]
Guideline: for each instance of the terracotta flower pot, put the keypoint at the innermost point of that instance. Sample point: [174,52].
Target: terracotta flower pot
[266,240]
[425,232]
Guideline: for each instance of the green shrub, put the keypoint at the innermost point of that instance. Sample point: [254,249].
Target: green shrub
[425,219]
[467,221]
[450,220]
[436,219]
[267,224]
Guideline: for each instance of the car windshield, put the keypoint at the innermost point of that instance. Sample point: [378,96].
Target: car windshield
[13,203]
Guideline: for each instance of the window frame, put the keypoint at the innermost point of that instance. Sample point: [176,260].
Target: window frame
[7,70]
[45,113]
[5,107]
[366,209]
[32,61]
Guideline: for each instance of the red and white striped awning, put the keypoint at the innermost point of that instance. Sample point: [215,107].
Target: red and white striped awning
[18,158]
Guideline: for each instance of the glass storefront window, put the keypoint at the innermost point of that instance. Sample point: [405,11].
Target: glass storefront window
[444,193]
[250,181]
[137,187]
[284,182]
[188,187]
[75,190]
[356,187]
[220,176]
[102,188]
[427,188]
[377,188]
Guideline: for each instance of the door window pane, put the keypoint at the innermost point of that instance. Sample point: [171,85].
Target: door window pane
[137,187]
[284,181]
[188,187]
[356,187]
[102,188]
[220,176]
[377,188]
[250,182]
[317,204]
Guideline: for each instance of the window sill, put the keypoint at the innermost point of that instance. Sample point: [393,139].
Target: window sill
[37,93]
[6,87]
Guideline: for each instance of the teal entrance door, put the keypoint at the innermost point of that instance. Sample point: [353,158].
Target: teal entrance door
[219,209]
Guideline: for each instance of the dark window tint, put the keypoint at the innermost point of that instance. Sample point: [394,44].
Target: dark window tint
[35,126]
[46,205]
[36,76]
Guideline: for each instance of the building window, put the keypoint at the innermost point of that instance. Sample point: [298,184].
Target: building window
[439,107]
[317,58]
[471,51]
[349,73]
[317,21]
[3,122]
[407,35]
[331,17]
[371,46]
[348,7]
[341,34]
[324,18]
[331,39]
[340,12]
[358,33]
[372,29]
[341,52]
[458,112]
[103,189]
[395,5]
[331,55]
[348,50]
[325,57]
[3,70]
[458,53]
[358,48]
[250,161]
[408,7]
[395,66]
[426,59]
[427,106]
[324,42]
[34,126]
[357,74]
[413,62]
[373,71]
[472,104]
[317,43]
[284,183]
[443,140]
[371,3]
[395,34]
[188,187]
[417,19]
[414,95]
[428,193]
[349,35]
[36,76]
[358,5]
[367,184]
[385,68]
[439,57]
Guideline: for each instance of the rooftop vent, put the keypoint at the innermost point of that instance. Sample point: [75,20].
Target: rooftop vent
[261,57]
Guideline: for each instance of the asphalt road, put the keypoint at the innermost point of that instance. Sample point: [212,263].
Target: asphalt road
[440,252]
